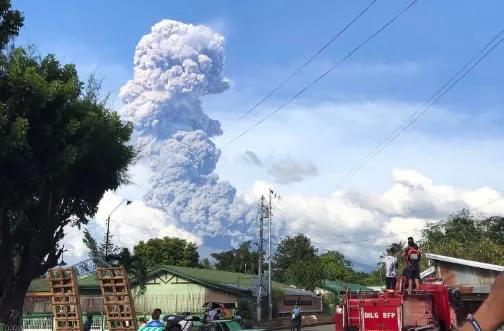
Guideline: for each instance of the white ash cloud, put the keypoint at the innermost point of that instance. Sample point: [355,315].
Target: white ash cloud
[174,66]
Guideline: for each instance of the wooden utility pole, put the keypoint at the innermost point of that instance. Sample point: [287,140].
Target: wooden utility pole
[65,299]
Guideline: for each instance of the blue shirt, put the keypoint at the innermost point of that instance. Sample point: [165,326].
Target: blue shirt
[154,324]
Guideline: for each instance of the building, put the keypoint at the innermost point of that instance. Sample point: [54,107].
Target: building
[176,290]
[472,279]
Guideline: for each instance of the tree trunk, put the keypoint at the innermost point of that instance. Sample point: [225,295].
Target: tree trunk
[19,268]
[11,303]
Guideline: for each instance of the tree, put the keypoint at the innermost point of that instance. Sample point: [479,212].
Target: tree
[336,267]
[98,250]
[205,263]
[464,236]
[60,150]
[241,259]
[296,261]
[169,251]
[10,22]
[134,265]
[307,274]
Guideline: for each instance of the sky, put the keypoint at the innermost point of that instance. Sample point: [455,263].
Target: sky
[447,160]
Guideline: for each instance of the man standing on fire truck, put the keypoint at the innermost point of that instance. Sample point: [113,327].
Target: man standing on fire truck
[412,256]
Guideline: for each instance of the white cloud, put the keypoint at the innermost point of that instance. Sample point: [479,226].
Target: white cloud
[455,147]
[129,224]
[361,226]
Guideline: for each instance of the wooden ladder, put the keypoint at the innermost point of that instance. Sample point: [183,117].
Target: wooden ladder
[399,285]
[65,299]
[117,298]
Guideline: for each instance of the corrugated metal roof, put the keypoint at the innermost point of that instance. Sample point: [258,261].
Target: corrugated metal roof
[221,280]
[427,272]
[338,286]
[469,263]
[295,291]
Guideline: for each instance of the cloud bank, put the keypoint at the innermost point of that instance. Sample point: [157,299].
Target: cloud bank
[361,226]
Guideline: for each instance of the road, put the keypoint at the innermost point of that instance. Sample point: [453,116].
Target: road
[318,328]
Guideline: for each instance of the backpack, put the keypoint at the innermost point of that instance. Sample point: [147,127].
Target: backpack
[413,254]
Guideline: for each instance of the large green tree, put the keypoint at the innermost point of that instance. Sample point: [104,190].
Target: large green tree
[465,236]
[296,261]
[241,259]
[169,251]
[61,148]
[336,267]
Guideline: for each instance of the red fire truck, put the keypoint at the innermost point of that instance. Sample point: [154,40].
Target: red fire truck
[427,308]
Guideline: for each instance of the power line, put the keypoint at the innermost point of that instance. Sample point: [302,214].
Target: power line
[469,66]
[323,75]
[307,62]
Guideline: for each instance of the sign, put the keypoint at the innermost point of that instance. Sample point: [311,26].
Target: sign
[385,317]
[89,266]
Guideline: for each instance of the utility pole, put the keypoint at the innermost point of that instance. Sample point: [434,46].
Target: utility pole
[270,299]
[260,266]
[107,239]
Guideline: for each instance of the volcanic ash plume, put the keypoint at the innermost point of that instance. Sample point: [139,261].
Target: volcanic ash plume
[174,65]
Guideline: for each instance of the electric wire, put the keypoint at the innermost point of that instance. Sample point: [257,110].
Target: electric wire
[323,75]
[307,62]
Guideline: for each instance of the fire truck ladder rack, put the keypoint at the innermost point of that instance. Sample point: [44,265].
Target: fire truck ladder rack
[117,298]
[65,299]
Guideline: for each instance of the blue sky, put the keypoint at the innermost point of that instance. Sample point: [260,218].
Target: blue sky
[274,36]
[457,144]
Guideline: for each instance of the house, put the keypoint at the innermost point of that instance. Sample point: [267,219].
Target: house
[472,279]
[178,289]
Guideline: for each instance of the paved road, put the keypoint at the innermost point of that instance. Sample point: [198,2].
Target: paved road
[318,328]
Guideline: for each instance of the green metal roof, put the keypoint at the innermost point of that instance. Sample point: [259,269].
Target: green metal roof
[338,286]
[88,282]
[222,280]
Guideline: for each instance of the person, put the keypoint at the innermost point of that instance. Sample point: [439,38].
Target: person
[412,257]
[296,318]
[213,311]
[390,262]
[155,322]
[88,323]
[490,315]
[237,315]
[186,323]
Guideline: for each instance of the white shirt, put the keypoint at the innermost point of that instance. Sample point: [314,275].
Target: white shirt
[212,313]
[185,325]
[390,266]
